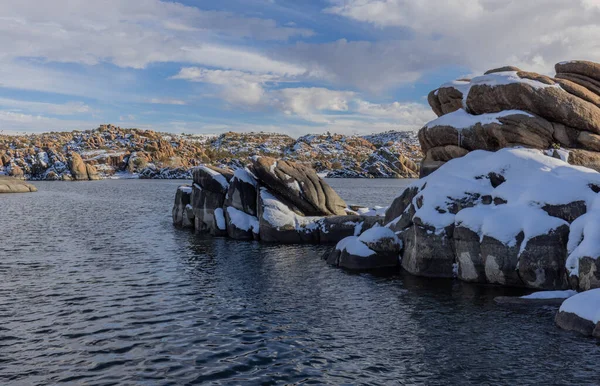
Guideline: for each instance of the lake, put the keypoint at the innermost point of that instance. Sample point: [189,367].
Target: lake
[98,288]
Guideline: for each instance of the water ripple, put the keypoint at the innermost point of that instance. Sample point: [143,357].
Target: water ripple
[97,288]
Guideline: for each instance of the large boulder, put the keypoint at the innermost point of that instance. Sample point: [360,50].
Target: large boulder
[78,167]
[210,188]
[583,262]
[241,225]
[212,178]
[427,253]
[299,186]
[581,313]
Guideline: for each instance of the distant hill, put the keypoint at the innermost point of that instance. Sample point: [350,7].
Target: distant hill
[113,152]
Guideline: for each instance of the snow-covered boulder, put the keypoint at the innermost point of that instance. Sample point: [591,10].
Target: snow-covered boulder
[541,298]
[212,178]
[502,217]
[183,214]
[376,248]
[279,223]
[509,107]
[581,313]
[241,225]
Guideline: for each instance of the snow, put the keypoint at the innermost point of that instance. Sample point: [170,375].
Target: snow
[216,176]
[460,119]
[186,189]
[532,181]
[279,215]
[242,220]
[584,238]
[550,295]
[377,233]
[378,211]
[246,176]
[506,77]
[353,246]
[586,305]
[220,218]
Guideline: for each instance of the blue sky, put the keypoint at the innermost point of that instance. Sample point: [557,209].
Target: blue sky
[346,66]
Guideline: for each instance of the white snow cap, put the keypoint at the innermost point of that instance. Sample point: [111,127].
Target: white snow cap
[586,305]
[217,176]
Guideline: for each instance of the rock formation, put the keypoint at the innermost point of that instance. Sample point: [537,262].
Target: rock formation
[509,107]
[271,200]
[14,185]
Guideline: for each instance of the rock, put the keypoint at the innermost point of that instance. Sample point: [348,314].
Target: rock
[589,159]
[547,101]
[400,204]
[240,225]
[13,185]
[446,153]
[16,172]
[568,212]
[180,207]
[589,141]
[581,67]
[242,193]
[503,69]
[332,229]
[208,211]
[92,172]
[212,178]
[581,313]
[280,224]
[541,264]
[426,253]
[591,85]
[77,167]
[471,267]
[299,186]
[588,275]
[378,248]
[579,89]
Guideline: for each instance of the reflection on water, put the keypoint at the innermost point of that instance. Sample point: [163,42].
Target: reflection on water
[97,287]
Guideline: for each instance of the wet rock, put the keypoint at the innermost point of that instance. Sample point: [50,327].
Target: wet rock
[13,185]
[471,267]
[427,253]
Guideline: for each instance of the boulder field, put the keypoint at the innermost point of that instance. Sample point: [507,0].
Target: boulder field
[509,107]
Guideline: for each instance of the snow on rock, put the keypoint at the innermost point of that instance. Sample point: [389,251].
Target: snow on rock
[586,305]
[550,295]
[245,175]
[354,246]
[378,211]
[242,220]
[280,216]
[216,176]
[220,219]
[375,234]
[460,119]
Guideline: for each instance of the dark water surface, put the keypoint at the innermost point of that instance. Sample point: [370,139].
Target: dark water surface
[98,288]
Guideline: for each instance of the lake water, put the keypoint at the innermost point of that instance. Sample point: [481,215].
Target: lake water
[98,288]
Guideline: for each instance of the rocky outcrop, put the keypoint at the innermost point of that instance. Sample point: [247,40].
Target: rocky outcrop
[508,107]
[271,201]
[183,215]
[515,217]
[14,185]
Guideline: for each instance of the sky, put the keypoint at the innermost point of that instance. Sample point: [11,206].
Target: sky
[288,66]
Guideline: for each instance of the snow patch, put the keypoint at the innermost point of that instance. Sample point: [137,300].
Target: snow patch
[220,218]
[242,220]
[586,305]
[550,295]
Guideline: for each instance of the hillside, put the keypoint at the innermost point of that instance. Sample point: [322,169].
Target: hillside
[114,152]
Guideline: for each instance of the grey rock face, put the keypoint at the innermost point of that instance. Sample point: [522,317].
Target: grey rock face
[426,253]
[334,228]
[572,322]
[182,216]
[242,193]
[471,267]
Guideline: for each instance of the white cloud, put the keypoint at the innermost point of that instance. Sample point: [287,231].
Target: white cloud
[69,108]
[478,34]
[135,33]
[305,101]
[167,101]
[15,122]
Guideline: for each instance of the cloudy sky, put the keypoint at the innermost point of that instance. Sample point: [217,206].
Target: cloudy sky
[347,66]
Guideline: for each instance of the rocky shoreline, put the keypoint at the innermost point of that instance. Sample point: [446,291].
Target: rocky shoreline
[14,185]
[509,195]
[112,152]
